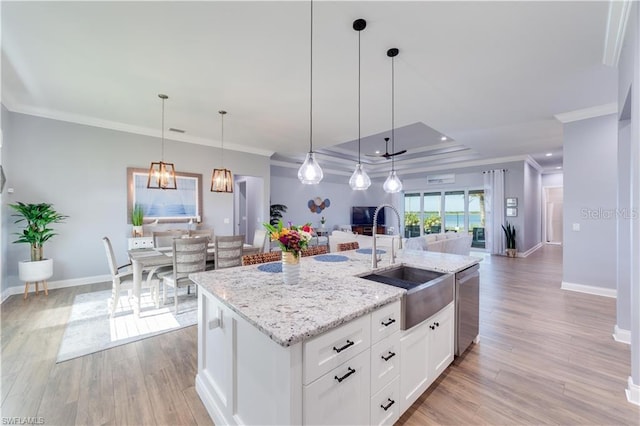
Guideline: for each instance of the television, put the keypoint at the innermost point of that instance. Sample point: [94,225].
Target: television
[364,215]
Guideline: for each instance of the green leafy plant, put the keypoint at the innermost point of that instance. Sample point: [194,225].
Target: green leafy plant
[510,234]
[275,212]
[411,219]
[432,220]
[137,215]
[36,231]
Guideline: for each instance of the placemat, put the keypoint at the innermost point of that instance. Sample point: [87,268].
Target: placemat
[330,258]
[270,267]
[368,251]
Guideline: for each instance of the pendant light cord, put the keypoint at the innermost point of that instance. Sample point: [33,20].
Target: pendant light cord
[162,156]
[311,85]
[393,140]
[222,138]
[359,97]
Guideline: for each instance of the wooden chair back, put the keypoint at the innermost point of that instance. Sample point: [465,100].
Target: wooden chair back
[189,255]
[165,238]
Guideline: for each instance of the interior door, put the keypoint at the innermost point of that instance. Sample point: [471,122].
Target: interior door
[242,209]
[553,215]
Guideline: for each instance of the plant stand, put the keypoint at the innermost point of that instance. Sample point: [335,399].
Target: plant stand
[35,272]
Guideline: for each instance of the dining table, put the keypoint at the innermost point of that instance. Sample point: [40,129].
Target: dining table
[150,260]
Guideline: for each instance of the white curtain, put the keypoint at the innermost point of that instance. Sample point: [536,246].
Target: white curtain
[494,210]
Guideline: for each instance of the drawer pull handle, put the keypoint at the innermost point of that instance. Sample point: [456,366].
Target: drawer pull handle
[391,355]
[386,407]
[388,323]
[349,343]
[340,379]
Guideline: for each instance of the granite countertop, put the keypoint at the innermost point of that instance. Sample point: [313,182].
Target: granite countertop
[328,295]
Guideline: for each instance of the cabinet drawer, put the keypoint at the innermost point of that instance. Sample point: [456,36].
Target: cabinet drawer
[385,321]
[341,396]
[385,362]
[385,405]
[329,350]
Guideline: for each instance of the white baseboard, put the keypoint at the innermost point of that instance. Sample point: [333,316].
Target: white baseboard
[528,252]
[73,282]
[633,392]
[621,335]
[581,288]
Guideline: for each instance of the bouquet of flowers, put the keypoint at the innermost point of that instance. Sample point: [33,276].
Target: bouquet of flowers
[292,239]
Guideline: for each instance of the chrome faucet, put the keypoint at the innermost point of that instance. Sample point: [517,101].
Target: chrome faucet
[374,254]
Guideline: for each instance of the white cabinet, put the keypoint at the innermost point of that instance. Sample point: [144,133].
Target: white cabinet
[385,362]
[341,396]
[425,351]
[385,405]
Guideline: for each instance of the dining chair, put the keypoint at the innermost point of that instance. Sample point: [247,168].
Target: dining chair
[189,255]
[228,251]
[313,251]
[122,279]
[348,246]
[259,243]
[254,259]
[163,239]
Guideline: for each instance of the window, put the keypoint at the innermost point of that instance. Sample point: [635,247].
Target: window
[463,212]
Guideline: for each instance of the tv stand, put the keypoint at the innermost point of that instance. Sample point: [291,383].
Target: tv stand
[368,229]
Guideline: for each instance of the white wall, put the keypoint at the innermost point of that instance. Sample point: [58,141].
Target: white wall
[590,178]
[552,179]
[82,171]
[531,208]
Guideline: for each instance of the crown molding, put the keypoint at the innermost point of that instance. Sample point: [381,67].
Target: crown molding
[128,128]
[616,29]
[583,114]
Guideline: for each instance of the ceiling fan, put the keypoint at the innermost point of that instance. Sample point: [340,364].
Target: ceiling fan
[387,154]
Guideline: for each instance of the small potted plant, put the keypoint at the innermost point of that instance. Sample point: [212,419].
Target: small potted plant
[322,222]
[510,234]
[137,219]
[36,232]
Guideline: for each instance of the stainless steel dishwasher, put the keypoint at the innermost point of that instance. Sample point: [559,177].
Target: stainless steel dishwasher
[467,307]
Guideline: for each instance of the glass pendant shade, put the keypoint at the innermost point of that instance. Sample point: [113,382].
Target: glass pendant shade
[359,179]
[393,183]
[221,180]
[310,172]
[162,176]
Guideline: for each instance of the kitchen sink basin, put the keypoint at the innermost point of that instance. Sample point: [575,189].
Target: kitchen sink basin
[427,291]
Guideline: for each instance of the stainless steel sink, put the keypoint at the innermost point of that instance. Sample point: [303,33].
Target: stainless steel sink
[427,291]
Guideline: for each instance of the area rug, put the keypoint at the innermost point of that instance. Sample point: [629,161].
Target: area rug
[90,329]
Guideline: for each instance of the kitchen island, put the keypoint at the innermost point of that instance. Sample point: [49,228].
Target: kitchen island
[325,351]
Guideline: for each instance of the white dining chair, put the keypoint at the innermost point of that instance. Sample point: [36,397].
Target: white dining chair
[122,279]
[189,255]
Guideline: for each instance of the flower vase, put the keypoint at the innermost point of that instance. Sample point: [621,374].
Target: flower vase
[290,268]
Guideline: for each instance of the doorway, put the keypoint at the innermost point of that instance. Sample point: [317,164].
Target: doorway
[552,214]
[248,203]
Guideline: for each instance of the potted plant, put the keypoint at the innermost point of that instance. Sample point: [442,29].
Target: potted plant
[36,232]
[275,213]
[137,218]
[510,234]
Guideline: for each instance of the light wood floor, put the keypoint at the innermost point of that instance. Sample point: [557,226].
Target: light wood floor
[545,356]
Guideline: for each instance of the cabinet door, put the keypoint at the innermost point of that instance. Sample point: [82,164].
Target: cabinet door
[414,364]
[341,396]
[441,341]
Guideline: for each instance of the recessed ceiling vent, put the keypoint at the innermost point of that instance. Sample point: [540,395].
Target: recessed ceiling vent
[440,179]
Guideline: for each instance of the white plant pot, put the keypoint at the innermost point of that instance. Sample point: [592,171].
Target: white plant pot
[138,231]
[33,271]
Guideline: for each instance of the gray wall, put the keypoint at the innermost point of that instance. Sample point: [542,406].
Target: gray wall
[623,254]
[590,178]
[290,192]
[552,179]
[82,171]
[629,82]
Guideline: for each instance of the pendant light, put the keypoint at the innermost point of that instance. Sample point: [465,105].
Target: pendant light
[393,183]
[359,179]
[310,172]
[162,175]
[222,179]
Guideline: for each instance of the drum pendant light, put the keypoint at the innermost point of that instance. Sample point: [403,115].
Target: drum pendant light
[222,179]
[310,172]
[393,183]
[162,175]
[359,179]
